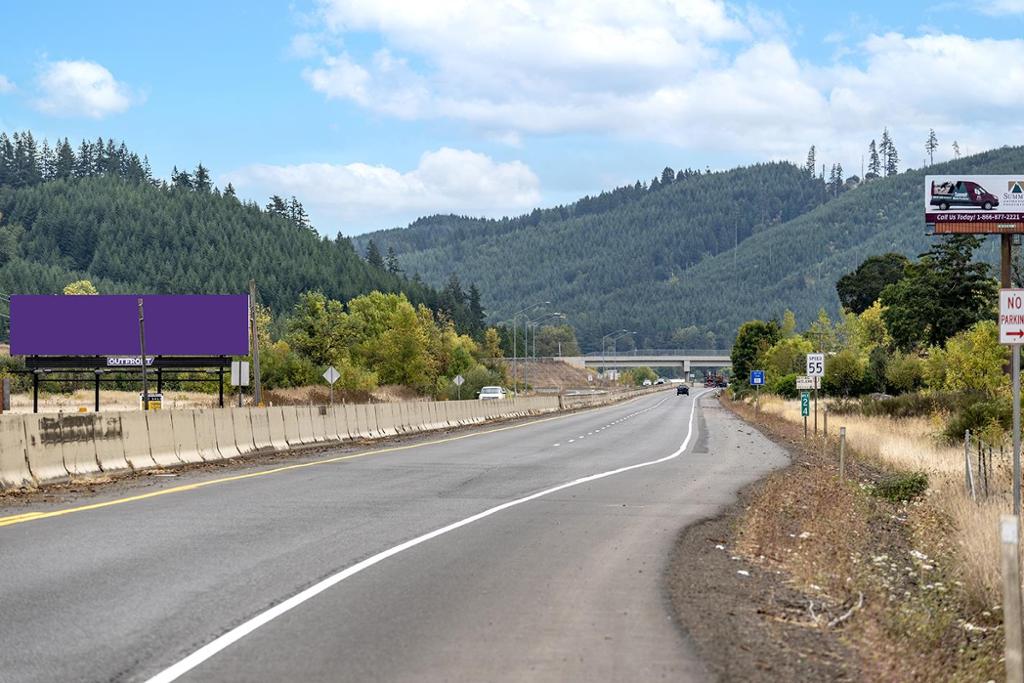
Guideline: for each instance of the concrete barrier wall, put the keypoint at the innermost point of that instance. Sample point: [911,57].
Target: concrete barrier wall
[44,448]
[260,428]
[40,449]
[242,423]
[305,424]
[321,418]
[206,434]
[162,445]
[109,438]
[186,437]
[291,425]
[386,422]
[14,471]
[135,434]
[341,423]
[275,417]
[227,446]
[78,443]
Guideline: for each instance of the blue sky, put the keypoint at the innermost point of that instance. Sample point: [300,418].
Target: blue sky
[376,112]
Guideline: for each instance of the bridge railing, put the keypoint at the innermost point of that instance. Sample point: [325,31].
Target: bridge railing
[659,352]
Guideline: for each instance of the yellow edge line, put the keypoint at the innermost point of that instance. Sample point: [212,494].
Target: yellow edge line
[31,516]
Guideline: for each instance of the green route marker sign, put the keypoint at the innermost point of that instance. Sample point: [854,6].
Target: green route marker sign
[805,403]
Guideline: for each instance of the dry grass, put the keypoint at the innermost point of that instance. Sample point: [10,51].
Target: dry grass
[923,573]
[912,444]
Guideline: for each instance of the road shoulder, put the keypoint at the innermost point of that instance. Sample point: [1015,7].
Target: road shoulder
[745,620]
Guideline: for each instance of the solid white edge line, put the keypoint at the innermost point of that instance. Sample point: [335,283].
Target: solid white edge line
[207,651]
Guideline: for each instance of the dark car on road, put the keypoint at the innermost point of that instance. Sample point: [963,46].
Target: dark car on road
[685,391]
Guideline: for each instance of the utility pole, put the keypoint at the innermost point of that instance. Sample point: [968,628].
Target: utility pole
[257,389]
[142,358]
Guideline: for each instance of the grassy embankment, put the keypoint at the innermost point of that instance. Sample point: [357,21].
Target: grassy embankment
[909,574]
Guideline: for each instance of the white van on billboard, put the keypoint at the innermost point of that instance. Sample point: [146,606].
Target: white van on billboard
[979,200]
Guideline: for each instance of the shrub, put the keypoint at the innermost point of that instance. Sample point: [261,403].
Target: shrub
[902,487]
[784,386]
[978,416]
[904,373]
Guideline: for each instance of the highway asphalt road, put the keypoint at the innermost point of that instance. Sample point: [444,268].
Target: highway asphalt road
[323,573]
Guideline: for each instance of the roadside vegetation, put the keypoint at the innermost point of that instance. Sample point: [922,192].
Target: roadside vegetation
[911,364]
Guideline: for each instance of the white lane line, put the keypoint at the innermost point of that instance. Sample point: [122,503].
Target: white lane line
[556,445]
[204,653]
[570,440]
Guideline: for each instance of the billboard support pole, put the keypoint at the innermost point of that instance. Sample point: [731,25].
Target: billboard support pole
[1006,254]
[142,358]
[257,388]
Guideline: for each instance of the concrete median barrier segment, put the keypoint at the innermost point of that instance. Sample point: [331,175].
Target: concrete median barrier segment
[44,448]
[260,429]
[14,471]
[242,424]
[305,424]
[78,444]
[206,434]
[162,445]
[321,431]
[275,416]
[386,422]
[341,422]
[109,438]
[371,420]
[183,426]
[135,436]
[226,443]
[291,425]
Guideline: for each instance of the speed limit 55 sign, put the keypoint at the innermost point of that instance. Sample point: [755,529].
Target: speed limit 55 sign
[815,365]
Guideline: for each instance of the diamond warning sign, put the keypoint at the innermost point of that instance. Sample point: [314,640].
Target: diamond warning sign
[1011,316]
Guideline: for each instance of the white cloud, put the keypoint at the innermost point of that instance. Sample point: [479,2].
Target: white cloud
[82,88]
[1000,7]
[358,196]
[6,85]
[700,74]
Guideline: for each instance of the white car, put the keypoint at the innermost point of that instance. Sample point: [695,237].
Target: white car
[491,393]
[647,382]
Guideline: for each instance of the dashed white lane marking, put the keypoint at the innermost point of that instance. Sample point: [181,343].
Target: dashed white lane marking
[572,440]
[557,445]
[193,660]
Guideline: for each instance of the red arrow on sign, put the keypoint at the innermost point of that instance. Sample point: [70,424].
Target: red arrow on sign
[1017,333]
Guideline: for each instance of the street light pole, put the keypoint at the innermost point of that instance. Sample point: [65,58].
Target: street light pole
[515,325]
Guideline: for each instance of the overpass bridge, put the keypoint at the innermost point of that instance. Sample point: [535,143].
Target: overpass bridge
[655,358]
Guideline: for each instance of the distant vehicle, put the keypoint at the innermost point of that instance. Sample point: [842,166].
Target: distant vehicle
[491,393]
[647,382]
[962,194]
[681,390]
[661,380]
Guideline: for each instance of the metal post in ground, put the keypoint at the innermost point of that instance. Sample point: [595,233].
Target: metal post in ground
[1009,537]
[842,453]
[142,358]
[1015,371]
[967,460]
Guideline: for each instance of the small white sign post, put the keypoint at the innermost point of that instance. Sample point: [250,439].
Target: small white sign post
[239,376]
[331,375]
[816,370]
[1011,332]
[458,380]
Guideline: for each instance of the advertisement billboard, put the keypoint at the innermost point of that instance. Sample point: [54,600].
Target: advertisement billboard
[90,325]
[974,203]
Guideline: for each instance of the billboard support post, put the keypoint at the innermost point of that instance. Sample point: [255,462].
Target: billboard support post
[1006,260]
[257,388]
[142,357]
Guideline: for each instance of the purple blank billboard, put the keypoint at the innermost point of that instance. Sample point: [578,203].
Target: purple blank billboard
[88,325]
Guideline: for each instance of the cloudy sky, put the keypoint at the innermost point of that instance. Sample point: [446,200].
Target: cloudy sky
[374,112]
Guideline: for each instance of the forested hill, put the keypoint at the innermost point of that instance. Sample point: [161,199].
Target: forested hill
[95,212]
[585,256]
[685,263]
